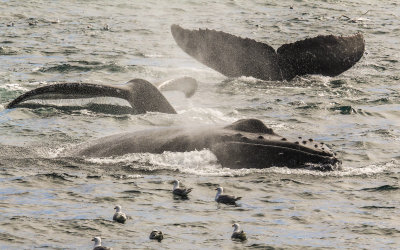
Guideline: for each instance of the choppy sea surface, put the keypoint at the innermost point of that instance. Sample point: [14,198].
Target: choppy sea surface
[49,201]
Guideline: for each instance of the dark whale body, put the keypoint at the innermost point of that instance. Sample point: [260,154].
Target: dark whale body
[234,56]
[243,144]
[246,143]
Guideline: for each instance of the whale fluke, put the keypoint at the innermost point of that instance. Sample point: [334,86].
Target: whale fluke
[186,84]
[142,95]
[234,56]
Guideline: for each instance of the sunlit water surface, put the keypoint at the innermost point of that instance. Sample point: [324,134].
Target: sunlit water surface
[48,201]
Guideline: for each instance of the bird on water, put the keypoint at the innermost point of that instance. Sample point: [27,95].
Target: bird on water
[237,233]
[156,235]
[182,192]
[226,199]
[98,246]
[118,215]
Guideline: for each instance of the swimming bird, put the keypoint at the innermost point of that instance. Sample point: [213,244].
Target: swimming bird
[237,233]
[226,199]
[183,192]
[156,235]
[98,246]
[119,216]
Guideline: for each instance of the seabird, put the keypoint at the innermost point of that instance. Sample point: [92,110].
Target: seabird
[182,192]
[156,235]
[226,199]
[119,216]
[237,233]
[97,244]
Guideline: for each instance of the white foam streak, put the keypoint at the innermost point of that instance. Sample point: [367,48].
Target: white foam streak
[196,162]
[204,163]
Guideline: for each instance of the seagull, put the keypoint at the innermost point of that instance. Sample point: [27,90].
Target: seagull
[237,233]
[156,235]
[119,216]
[97,244]
[183,192]
[226,199]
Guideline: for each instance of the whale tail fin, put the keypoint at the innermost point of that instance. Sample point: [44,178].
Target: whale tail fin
[228,54]
[234,56]
[186,84]
[325,55]
[145,97]
[141,94]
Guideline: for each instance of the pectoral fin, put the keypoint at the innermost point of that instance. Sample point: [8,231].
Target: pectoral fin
[69,91]
[141,94]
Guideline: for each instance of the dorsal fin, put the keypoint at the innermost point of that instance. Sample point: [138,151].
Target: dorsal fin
[251,126]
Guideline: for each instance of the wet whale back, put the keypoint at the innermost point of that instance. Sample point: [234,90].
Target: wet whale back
[247,143]
[251,126]
[251,155]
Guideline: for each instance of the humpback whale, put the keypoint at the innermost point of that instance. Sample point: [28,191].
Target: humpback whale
[246,143]
[234,56]
[141,94]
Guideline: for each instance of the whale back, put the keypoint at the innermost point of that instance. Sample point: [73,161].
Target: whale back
[247,143]
[250,126]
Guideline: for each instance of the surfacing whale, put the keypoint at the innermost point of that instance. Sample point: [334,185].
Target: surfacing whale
[247,143]
[234,56]
[141,94]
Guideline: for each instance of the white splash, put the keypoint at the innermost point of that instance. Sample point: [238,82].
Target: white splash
[204,163]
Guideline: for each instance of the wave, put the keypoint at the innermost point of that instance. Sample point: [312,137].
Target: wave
[84,66]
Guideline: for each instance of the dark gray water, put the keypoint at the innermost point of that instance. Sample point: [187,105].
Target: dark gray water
[48,201]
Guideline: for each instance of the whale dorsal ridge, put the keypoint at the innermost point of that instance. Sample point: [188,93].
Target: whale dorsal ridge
[251,126]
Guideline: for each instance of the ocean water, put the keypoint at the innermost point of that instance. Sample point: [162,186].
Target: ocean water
[50,201]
